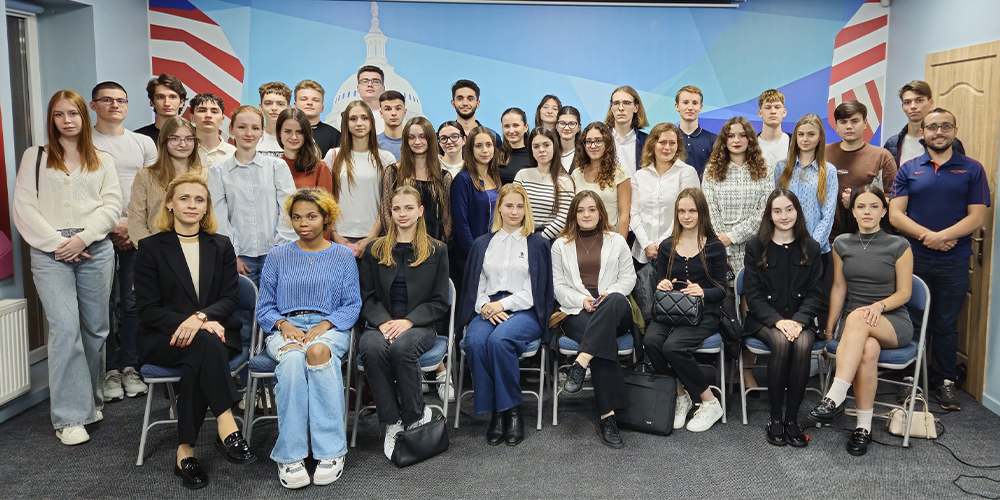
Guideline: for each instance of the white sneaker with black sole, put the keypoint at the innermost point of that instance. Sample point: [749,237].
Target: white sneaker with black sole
[445,389]
[707,415]
[423,420]
[391,432]
[74,434]
[113,387]
[328,471]
[294,475]
[132,382]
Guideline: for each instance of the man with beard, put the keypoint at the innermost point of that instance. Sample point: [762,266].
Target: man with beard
[938,200]
[465,100]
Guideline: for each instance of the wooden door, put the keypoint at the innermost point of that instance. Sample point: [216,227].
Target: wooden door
[966,81]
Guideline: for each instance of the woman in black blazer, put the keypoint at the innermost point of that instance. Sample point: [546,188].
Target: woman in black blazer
[783,277]
[186,292]
[404,294]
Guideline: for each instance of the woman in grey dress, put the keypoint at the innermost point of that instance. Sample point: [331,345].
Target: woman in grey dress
[873,271]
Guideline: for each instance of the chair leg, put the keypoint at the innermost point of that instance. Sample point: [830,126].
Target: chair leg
[145,424]
[555,388]
[743,389]
[357,412]
[541,387]
[250,405]
[458,391]
[722,382]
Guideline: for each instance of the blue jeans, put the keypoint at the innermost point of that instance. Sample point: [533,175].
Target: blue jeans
[310,398]
[948,281]
[255,264]
[75,298]
[492,353]
[123,353]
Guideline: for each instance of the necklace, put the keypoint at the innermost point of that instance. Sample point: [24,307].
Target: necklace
[864,244]
[592,243]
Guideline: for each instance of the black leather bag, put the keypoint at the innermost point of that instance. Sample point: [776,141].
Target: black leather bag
[642,294]
[674,308]
[652,397]
[420,443]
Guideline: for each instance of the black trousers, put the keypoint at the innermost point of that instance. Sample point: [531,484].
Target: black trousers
[671,350]
[205,380]
[597,333]
[393,372]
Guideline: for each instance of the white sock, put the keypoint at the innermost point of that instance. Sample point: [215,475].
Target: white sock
[865,419]
[838,390]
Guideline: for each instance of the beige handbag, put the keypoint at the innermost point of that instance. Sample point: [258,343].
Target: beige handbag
[923,421]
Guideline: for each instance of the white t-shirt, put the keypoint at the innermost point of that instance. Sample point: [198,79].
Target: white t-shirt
[625,150]
[910,149]
[567,160]
[609,195]
[131,152]
[268,146]
[774,151]
[359,204]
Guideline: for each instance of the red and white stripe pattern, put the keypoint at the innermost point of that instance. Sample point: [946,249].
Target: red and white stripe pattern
[186,43]
[858,69]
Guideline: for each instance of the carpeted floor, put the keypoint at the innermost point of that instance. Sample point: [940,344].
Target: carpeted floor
[729,461]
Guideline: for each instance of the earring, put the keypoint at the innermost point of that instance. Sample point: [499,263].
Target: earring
[170,210]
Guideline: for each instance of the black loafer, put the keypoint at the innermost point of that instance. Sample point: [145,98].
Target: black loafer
[826,411]
[495,432]
[192,477]
[775,432]
[235,449]
[514,433]
[794,435]
[607,427]
[574,378]
[858,444]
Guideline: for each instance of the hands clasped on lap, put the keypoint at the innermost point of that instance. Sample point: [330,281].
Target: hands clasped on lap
[494,313]
[292,332]
[185,333]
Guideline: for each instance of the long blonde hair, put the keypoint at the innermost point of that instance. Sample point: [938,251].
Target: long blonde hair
[163,169]
[423,245]
[793,156]
[165,218]
[528,224]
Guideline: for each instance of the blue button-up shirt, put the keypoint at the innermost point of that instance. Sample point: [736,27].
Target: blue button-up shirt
[805,185]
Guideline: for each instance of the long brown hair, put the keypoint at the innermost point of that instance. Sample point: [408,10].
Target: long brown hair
[346,150]
[469,159]
[85,142]
[767,227]
[609,162]
[555,166]
[538,110]
[423,244]
[307,157]
[506,150]
[705,230]
[820,152]
[649,154]
[163,169]
[572,228]
[638,119]
[718,162]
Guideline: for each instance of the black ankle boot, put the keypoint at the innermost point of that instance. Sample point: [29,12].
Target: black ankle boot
[495,432]
[514,423]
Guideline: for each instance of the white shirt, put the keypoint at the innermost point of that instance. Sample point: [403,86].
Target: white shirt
[609,195]
[653,197]
[625,150]
[452,169]
[131,152]
[505,269]
[221,153]
[359,204]
[567,160]
[774,151]
[910,149]
[268,146]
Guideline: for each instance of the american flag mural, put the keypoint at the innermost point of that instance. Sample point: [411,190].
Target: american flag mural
[858,69]
[186,43]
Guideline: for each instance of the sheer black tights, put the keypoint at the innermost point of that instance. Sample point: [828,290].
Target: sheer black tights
[787,370]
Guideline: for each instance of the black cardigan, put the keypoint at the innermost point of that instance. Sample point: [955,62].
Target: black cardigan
[426,287]
[715,256]
[785,289]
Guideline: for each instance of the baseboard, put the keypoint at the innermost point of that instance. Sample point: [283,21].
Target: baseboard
[22,403]
[991,404]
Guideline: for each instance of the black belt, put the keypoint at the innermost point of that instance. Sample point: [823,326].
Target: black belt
[302,313]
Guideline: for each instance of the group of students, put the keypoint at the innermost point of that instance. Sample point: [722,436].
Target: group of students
[360,235]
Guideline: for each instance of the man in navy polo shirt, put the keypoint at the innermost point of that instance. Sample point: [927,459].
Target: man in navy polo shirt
[938,200]
[688,102]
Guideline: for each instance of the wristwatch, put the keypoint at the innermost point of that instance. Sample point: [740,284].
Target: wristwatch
[884,308]
[201,316]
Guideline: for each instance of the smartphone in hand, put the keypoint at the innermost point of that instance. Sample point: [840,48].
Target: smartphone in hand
[598,301]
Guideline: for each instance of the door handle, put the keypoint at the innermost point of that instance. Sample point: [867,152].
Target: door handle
[979,240]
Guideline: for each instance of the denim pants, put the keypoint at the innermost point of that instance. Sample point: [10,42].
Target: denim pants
[75,298]
[948,281]
[310,398]
[121,352]
[492,354]
[393,372]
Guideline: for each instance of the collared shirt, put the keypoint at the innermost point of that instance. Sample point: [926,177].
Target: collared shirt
[939,197]
[221,153]
[804,182]
[653,198]
[699,148]
[505,269]
[625,150]
[249,203]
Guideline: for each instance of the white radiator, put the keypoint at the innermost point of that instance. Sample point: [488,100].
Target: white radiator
[14,376]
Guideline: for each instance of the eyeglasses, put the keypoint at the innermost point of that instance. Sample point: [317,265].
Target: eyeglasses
[108,100]
[370,81]
[449,138]
[945,127]
[562,124]
[593,143]
[622,103]
[175,140]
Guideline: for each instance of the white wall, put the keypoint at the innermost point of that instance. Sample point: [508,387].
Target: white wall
[920,27]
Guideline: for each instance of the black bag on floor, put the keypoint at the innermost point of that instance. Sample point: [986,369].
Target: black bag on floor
[653,397]
[420,443]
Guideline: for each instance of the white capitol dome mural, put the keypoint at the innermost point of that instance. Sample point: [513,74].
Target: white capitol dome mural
[375,42]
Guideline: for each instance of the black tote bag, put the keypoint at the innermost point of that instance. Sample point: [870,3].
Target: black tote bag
[653,397]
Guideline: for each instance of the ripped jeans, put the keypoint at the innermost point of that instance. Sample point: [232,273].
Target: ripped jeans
[310,398]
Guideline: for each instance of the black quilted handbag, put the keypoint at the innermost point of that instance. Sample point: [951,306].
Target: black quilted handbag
[674,308]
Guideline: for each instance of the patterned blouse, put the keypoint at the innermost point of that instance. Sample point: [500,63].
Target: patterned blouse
[819,216]
[736,206]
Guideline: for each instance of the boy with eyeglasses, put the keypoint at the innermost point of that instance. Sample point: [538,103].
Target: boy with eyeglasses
[131,152]
[625,118]
[371,85]
[167,96]
[274,98]
[699,142]
[917,100]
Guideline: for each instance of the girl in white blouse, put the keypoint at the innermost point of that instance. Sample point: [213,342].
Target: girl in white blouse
[549,187]
[597,169]
[66,201]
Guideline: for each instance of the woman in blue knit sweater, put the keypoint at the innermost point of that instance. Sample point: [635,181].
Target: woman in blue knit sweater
[309,298]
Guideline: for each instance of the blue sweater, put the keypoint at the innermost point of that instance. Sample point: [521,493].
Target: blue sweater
[329,284]
[471,211]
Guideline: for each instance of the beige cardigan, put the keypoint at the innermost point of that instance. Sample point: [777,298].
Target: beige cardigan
[617,274]
[147,197]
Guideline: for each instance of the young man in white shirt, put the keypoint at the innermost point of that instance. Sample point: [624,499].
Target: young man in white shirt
[371,85]
[167,96]
[309,97]
[274,98]
[688,102]
[131,152]
[208,114]
[773,142]
[392,107]
[625,117]
[918,101]
[465,100]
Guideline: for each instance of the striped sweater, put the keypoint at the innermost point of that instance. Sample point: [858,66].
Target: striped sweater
[539,189]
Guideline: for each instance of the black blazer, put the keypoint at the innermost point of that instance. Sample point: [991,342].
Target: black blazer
[785,289]
[164,291]
[426,287]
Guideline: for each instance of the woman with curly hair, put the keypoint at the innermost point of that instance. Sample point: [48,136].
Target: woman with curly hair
[597,169]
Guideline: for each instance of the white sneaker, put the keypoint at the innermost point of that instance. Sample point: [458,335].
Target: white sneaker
[681,410]
[423,420]
[328,471]
[446,388]
[113,387]
[71,435]
[132,382]
[706,416]
[391,431]
[293,475]
[100,416]
[425,388]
